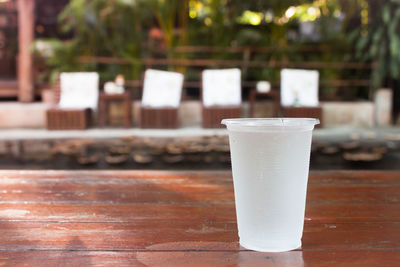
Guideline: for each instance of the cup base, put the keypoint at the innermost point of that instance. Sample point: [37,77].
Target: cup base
[270,247]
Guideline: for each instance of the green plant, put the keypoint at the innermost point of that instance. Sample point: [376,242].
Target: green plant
[377,40]
[105,27]
[170,15]
[111,28]
[57,56]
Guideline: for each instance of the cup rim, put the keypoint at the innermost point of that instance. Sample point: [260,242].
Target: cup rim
[287,122]
[270,123]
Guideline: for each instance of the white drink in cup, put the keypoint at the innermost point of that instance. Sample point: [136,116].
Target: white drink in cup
[270,163]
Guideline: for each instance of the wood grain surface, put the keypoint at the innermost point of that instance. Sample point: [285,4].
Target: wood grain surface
[167,218]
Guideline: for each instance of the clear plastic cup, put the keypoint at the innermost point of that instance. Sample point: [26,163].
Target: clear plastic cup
[270,163]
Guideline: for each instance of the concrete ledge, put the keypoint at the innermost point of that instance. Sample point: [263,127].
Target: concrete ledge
[33,115]
[342,133]
[22,134]
[357,114]
[23,115]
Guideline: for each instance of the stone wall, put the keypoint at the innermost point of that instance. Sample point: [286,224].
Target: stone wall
[331,149]
[127,152]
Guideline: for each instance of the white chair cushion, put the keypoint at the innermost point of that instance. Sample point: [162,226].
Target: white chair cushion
[222,87]
[299,87]
[162,89]
[79,90]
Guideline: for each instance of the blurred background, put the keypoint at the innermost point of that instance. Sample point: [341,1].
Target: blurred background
[353,44]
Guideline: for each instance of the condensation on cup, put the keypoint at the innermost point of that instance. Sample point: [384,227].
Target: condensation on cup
[270,164]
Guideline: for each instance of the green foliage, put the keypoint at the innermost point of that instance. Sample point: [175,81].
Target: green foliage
[171,14]
[58,56]
[380,42]
[111,28]
[211,24]
[125,28]
[117,28]
[276,6]
[105,27]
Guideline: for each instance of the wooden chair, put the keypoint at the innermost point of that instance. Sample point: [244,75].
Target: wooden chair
[221,96]
[162,93]
[77,96]
[299,94]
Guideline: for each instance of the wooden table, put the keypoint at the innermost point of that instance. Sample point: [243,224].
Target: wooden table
[166,218]
[104,116]
[274,95]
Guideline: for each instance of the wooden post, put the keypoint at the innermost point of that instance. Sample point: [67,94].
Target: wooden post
[26,20]
[246,60]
